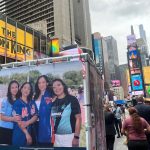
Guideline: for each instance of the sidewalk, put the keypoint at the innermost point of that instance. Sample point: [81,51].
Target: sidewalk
[119,144]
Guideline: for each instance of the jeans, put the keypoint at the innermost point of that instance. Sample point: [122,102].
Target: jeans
[118,126]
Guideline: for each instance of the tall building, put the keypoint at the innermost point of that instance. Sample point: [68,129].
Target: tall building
[112,57]
[132,30]
[142,33]
[142,43]
[60,16]
[82,23]
[101,55]
[57,14]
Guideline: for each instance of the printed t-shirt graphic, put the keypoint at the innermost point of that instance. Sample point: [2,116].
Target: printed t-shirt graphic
[25,110]
[65,109]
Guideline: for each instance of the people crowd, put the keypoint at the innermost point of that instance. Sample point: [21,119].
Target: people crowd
[132,121]
[45,117]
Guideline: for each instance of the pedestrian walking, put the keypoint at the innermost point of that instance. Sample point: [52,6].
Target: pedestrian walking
[118,122]
[110,128]
[144,112]
[134,128]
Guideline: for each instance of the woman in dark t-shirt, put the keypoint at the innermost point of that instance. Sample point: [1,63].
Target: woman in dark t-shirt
[66,114]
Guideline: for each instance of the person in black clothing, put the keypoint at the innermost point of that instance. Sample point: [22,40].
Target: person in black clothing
[66,114]
[134,101]
[110,128]
[144,112]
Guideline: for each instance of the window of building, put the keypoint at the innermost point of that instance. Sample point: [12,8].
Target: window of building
[43,44]
[36,41]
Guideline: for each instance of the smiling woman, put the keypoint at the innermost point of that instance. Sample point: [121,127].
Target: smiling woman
[66,114]
[24,107]
[6,118]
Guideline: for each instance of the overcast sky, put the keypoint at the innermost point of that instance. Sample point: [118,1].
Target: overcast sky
[115,17]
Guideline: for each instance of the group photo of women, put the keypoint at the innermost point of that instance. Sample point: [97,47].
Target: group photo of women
[44,114]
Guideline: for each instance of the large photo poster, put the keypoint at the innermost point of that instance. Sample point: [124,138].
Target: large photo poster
[44,104]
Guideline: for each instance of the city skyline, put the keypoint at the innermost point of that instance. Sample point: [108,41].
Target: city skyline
[115,17]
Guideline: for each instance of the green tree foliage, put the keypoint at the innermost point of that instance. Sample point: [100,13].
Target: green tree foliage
[4,80]
[33,76]
[20,77]
[73,78]
[50,77]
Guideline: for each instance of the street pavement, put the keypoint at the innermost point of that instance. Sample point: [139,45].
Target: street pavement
[119,144]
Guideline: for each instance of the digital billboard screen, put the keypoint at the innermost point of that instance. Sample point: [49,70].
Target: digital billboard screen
[133,54]
[134,64]
[115,83]
[137,83]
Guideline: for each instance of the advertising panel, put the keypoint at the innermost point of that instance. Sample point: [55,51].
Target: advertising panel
[131,48]
[137,83]
[133,54]
[137,92]
[55,47]
[131,39]
[64,111]
[98,51]
[115,83]
[2,40]
[17,47]
[134,64]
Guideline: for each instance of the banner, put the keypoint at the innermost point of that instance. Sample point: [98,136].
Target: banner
[69,72]
[17,42]
[115,83]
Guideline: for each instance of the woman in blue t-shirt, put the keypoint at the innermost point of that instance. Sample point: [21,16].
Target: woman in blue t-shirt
[6,118]
[26,108]
[43,100]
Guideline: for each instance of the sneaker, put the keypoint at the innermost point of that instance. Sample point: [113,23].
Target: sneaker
[118,136]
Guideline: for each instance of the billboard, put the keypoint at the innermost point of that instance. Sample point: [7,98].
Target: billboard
[98,52]
[83,82]
[115,83]
[137,83]
[135,66]
[15,43]
[133,54]
[69,72]
[131,39]
[55,47]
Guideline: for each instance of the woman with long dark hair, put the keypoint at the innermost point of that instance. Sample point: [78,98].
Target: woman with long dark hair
[134,127]
[43,100]
[26,108]
[66,114]
[6,118]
